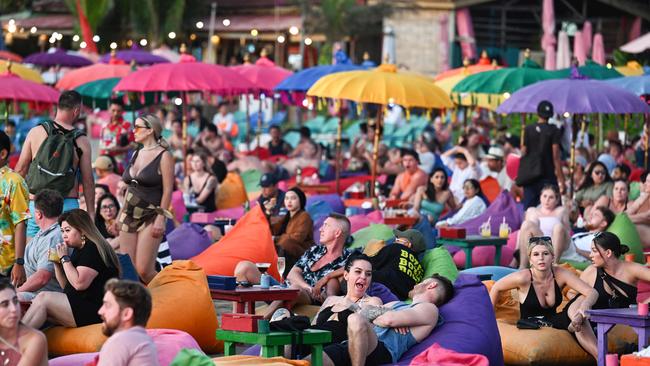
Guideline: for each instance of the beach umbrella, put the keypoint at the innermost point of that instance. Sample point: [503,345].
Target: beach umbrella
[10,56]
[598,52]
[638,45]
[579,51]
[548,38]
[382,85]
[86,74]
[140,57]
[56,57]
[632,68]
[166,52]
[17,90]
[483,64]
[98,93]
[22,71]
[638,85]
[592,70]
[563,55]
[295,86]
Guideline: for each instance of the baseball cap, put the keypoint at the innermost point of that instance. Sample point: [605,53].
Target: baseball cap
[545,109]
[495,152]
[267,180]
[414,237]
[103,163]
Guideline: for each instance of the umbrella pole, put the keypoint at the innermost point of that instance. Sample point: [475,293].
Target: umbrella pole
[259,125]
[625,122]
[6,112]
[523,127]
[337,161]
[184,122]
[248,122]
[647,135]
[375,151]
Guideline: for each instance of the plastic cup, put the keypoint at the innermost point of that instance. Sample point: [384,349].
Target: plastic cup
[647,259]
[611,359]
[642,309]
[629,257]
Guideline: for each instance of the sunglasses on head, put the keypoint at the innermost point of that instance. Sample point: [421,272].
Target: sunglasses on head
[539,239]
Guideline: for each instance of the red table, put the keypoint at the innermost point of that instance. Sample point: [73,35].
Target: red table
[401,220]
[243,296]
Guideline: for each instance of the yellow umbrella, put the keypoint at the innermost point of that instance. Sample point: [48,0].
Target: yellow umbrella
[382,85]
[632,68]
[487,101]
[22,71]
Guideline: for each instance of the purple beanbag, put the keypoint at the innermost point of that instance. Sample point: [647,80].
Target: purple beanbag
[379,290]
[187,241]
[502,207]
[318,223]
[469,324]
[332,200]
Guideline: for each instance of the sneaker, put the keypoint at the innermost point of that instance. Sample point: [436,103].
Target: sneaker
[279,314]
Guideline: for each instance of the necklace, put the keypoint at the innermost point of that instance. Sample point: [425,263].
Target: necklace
[150,147]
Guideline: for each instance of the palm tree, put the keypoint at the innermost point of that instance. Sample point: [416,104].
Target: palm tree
[154,18]
[95,11]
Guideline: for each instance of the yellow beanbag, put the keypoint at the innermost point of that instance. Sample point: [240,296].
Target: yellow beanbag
[170,291]
[232,192]
[241,360]
[249,240]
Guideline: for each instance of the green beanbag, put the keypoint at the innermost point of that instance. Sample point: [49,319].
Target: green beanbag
[251,180]
[627,233]
[635,191]
[374,231]
[438,260]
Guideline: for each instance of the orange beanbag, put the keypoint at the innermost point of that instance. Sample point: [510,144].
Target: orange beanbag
[232,192]
[170,291]
[632,360]
[249,240]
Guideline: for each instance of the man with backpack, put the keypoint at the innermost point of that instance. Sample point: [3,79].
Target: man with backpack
[54,155]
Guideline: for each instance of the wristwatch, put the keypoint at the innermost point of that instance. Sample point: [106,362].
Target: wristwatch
[65,259]
[20,261]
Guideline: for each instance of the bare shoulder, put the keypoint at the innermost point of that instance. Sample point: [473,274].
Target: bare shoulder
[31,338]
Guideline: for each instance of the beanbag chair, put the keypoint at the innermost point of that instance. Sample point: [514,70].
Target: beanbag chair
[318,209]
[128,269]
[188,240]
[374,231]
[439,261]
[502,207]
[512,165]
[191,357]
[358,222]
[333,200]
[490,188]
[381,291]
[635,191]
[168,343]
[170,291]
[178,205]
[251,179]
[232,192]
[628,235]
[497,272]
[250,240]
[634,360]
[436,355]
[424,226]
[469,325]
[241,360]
[484,256]
[318,223]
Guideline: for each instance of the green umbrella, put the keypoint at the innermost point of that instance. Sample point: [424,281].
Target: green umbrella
[505,80]
[98,93]
[592,70]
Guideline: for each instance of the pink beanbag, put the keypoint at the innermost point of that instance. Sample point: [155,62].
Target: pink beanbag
[178,205]
[512,165]
[358,222]
[484,256]
[437,355]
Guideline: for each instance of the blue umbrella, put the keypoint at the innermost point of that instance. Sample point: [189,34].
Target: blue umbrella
[639,85]
[303,80]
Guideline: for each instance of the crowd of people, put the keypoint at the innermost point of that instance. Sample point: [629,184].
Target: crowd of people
[69,220]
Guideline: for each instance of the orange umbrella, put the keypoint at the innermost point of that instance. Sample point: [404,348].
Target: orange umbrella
[10,56]
[90,73]
[483,64]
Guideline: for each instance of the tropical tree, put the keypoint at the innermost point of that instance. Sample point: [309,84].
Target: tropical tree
[154,18]
[95,11]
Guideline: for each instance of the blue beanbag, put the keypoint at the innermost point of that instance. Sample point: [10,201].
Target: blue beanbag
[497,272]
[332,200]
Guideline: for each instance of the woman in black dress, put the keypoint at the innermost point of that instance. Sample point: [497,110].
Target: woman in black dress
[82,275]
[106,218]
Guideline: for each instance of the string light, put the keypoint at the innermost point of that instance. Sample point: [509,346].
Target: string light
[82,45]
[308,41]
[178,101]
[281,39]
[33,30]
[113,45]
[143,42]
[171,35]
[96,38]
[75,38]
[11,27]
[226,22]
[294,30]
[199,25]
[254,32]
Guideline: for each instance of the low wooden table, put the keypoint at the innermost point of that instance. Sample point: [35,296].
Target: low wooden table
[472,241]
[273,343]
[607,318]
[401,220]
[243,296]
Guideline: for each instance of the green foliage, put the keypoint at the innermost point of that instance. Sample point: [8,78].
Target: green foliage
[154,18]
[95,11]
[621,58]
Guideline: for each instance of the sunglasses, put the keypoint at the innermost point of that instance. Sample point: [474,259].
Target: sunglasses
[599,172]
[138,127]
[107,207]
[539,239]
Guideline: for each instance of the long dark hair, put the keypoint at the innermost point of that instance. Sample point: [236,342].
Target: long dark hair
[479,191]
[588,182]
[431,189]
[99,219]
[303,203]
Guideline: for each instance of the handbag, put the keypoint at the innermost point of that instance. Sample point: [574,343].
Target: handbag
[530,169]
[617,300]
[532,323]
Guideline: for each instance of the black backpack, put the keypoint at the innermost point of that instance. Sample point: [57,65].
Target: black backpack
[53,165]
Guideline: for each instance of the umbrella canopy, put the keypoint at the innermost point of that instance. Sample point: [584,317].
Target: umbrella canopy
[140,57]
[483,64]
[638,85]
[265,77]
[22,71]
[58,57]
[592,70]
[90,73]
[167,53]
[577,96]
[16,89]
[187,75]
[382,85]
[632,68]
[98,93]
[10,56]
[303,80]
[638,45]
[502,81]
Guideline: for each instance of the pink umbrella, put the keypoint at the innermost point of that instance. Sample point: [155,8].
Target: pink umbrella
[90,73]
[548,39]
[598,53]
[587,34]
[563,56]
[466,33]
[14,89]
[579,48]
[263,75]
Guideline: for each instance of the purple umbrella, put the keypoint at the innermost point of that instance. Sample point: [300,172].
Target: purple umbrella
[576,96]
[140,57]
[57,58]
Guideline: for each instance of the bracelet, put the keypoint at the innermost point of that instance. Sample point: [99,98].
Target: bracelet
[65,259]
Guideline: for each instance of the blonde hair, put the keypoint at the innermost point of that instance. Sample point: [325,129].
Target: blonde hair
[546,243]
[80,220]
[156,125]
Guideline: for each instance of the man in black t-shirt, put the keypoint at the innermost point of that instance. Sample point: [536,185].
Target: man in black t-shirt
[397,266]
[543,141]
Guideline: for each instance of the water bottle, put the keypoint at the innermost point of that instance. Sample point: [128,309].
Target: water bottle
[265,281]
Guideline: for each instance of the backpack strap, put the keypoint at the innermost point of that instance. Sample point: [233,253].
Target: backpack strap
[51,126]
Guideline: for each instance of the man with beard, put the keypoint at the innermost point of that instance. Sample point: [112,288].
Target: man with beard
[125,312]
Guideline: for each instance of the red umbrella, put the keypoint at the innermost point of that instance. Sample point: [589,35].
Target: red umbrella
[10,56]
[15,89]
[86,74]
